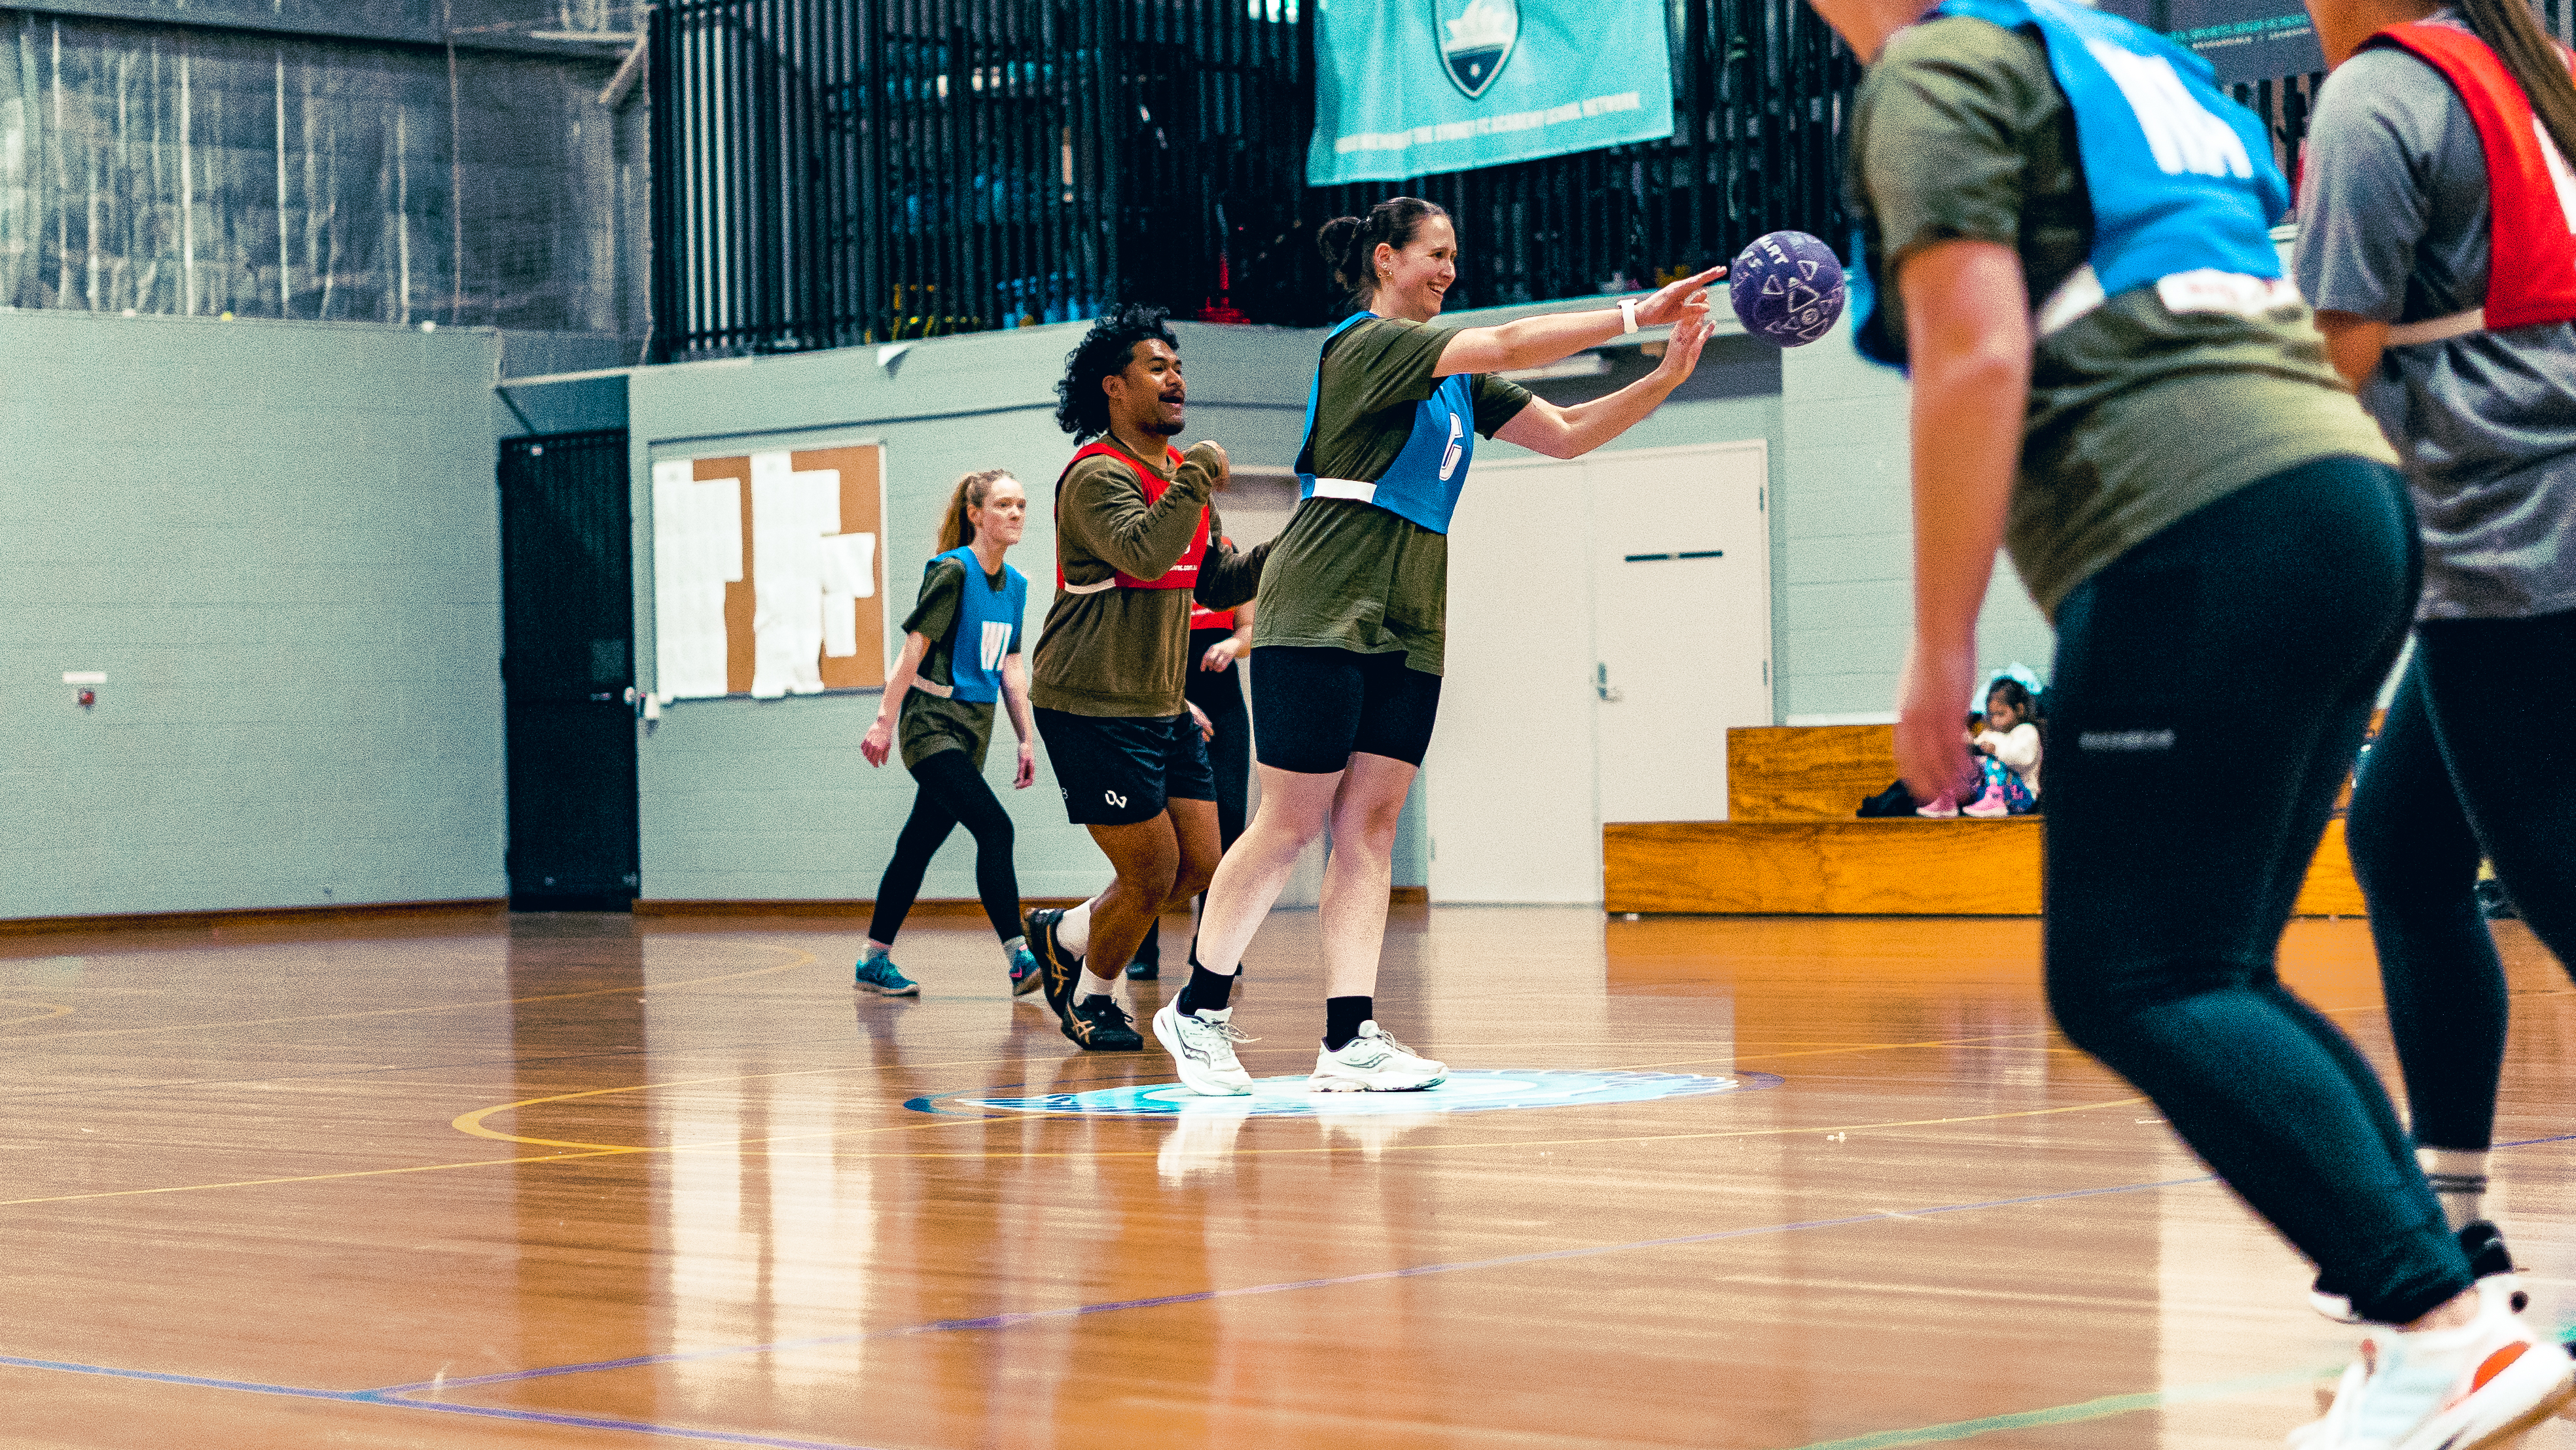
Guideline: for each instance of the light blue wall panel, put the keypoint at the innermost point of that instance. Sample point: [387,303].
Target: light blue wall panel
[281,543]
[1845,567]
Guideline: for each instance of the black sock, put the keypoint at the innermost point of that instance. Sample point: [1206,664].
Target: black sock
[1342,1019]
[1206,988]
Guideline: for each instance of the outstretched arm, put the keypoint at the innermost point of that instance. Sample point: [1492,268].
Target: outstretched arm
[1533,342]
[1543,427]
[1967,310]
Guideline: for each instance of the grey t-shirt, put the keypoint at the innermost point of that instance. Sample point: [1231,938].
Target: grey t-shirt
[2393,225]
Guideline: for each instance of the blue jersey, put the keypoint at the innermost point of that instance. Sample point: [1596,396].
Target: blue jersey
[987,628]
[1424,481]
[2180,177]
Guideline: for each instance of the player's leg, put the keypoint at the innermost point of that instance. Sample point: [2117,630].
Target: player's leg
[1196,1025]
[920,839]
[2417,861]
[2502,694]
[961,788]
[1111,769]
[1306,707]
[1398,708]
[2162,925]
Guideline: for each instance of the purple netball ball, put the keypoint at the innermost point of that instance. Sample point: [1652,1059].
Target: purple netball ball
[1786,287]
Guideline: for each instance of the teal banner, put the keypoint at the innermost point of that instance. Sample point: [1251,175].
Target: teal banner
[1415,87]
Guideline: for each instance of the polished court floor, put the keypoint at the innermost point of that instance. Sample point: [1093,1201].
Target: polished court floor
[593,1180]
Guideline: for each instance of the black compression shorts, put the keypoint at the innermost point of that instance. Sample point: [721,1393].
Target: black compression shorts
[1313,709]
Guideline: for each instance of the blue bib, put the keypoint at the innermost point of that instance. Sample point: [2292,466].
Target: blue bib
[2181,177]
[1424,481]
[988,624]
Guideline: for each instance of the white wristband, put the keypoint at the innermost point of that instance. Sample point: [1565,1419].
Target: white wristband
[1628,315]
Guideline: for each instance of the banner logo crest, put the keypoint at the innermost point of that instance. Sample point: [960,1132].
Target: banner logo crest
[1477,37]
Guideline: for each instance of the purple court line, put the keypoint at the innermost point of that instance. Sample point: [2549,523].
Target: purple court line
[1008,1321]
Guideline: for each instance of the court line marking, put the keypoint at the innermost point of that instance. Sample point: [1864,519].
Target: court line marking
[390,1401]
[2107,1407]
[638,990]
[52,1011]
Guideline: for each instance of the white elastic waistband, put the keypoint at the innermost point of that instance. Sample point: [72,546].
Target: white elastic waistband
[2435,329]
[2204,290]
[1345,488]
[1109,583]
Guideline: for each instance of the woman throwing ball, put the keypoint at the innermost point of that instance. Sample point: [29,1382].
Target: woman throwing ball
[2070,230]
[1346,645]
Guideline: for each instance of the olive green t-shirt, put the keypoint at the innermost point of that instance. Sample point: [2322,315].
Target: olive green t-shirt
[2138,415]
[1125,652]
[929,723]
[1350,575]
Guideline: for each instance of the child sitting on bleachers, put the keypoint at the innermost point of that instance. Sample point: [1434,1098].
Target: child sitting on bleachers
[2008,751]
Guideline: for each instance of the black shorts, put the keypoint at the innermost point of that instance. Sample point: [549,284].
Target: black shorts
[1313,709]
[1116,770]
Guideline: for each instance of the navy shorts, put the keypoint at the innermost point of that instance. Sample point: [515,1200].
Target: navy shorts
[1117,770]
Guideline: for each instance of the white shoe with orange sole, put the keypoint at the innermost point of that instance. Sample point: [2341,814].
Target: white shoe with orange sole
[2471,1388]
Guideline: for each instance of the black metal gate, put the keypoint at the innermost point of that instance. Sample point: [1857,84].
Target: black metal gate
[567,670]
[829,172]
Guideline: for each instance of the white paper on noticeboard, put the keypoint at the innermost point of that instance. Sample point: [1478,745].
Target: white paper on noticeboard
[850,565]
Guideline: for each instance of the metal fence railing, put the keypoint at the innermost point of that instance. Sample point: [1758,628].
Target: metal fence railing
[829,172]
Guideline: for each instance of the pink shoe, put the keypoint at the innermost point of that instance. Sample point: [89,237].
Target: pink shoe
[1940,807]
[1987,806]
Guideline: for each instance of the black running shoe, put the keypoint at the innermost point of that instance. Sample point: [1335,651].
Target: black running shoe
[1098,1024]
[2489,1260]
[1144,971]
[1059,971]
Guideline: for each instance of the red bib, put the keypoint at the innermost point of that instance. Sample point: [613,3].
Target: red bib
[2531,276]
[1184,573]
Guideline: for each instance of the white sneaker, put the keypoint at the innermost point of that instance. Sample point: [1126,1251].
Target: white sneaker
[2446,1389]
[1373,1062]
[1202,1047]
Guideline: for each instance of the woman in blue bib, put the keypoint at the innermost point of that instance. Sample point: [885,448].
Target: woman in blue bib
[2069,229]
[961,652]
[1346,646]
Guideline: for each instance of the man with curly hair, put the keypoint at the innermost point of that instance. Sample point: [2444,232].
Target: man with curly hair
[1136,541]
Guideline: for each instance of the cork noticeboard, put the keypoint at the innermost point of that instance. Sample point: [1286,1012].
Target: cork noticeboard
[768,578]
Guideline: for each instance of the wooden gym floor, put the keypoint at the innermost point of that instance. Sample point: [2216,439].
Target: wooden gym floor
[577,1181]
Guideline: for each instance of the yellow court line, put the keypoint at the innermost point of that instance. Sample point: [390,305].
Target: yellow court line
[52,1010]
[740,1143]
[801,959]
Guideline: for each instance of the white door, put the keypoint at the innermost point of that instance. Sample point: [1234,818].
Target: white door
[1681,619]
[1508,786]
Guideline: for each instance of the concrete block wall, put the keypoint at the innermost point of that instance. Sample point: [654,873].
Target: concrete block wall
[280,543]
[1844,573]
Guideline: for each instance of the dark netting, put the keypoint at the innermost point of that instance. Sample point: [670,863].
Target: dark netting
[153,169]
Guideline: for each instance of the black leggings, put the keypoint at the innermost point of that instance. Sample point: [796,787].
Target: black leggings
[2478,757]
[952,793]
[1220,694]
[2244,644]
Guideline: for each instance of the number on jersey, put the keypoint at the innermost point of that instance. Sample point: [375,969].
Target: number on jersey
[997,639]
[2180,131]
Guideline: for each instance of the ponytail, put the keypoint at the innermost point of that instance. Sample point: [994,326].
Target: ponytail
[2533,60]
[1349,244]
[955,528]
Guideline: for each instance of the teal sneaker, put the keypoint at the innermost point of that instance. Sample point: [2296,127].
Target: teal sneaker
[878,975]
[1026,975]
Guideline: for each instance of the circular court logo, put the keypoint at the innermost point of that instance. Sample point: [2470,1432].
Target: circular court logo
[1469,1090]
